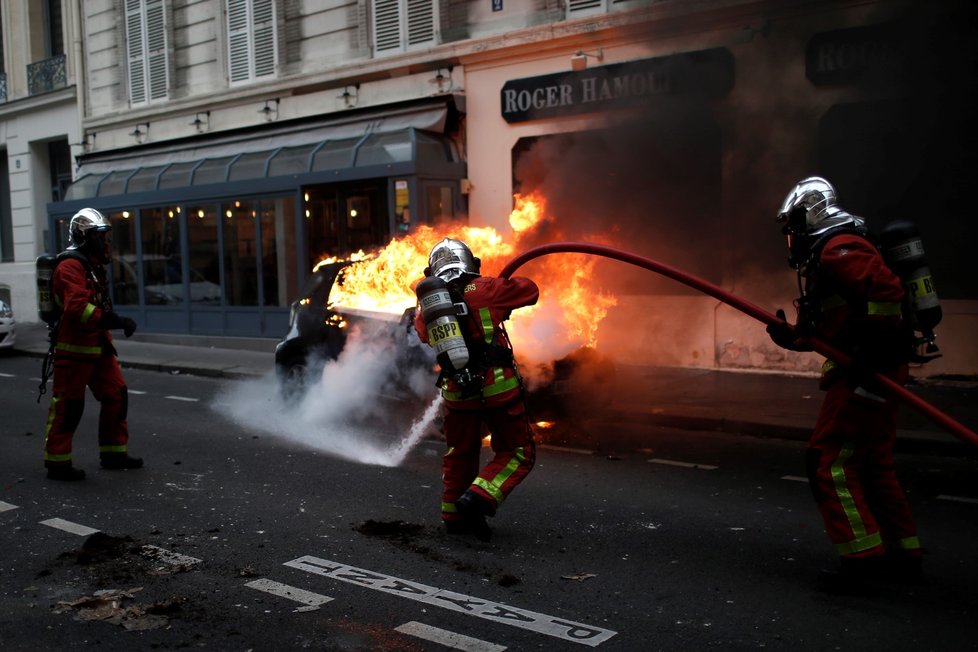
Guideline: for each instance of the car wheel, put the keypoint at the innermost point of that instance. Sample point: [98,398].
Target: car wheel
[293,376]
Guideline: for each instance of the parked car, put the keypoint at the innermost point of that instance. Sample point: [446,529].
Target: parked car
[163,281]
[8,326]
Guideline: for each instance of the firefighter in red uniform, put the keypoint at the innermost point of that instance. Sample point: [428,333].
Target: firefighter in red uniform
[851,300]
[83,352]
[488,391]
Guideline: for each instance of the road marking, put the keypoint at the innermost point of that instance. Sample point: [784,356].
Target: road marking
[794,478]
[447,638]
[688,465]
[7,375]
[494,611]
[957,499]
[136,391]
[168,556]
[68,526]
[6,507]
[566,449]
[289,592]
[182,398]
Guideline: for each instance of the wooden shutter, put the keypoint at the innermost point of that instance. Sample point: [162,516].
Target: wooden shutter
[239,41]
[584,7]
[146,51]
[420,22]
[387,26]
[264,30]
[252,47]
[156,50]
[135,51]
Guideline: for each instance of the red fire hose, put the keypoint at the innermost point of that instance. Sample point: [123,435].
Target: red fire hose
[954,427]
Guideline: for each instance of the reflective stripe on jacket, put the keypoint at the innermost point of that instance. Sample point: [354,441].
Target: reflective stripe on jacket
[854,285]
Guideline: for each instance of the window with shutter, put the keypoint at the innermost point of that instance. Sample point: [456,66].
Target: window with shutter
[579,8]
[402,25]
[146,50]
[252,40]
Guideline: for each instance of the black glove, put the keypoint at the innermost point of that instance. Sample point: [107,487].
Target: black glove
[783,334]
[113,321]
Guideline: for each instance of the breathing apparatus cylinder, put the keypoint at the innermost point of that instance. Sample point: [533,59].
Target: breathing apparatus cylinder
[444,332]
[44,270]
[903,251]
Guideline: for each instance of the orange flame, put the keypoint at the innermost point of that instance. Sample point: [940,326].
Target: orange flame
[570,307]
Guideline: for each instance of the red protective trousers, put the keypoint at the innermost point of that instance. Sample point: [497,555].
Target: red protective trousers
[513,454]
[852,476]
[71,376]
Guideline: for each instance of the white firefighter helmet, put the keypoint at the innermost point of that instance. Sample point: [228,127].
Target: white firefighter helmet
[810,209]
[85,222]
[450,259]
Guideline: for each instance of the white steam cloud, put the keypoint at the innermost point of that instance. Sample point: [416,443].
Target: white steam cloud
[370,405]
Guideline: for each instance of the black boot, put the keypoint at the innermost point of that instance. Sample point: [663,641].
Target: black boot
[68,473]
[903,568]
[473,511]
[116,461]
[855,576]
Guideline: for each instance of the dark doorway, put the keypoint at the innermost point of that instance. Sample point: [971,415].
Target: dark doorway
[651,186]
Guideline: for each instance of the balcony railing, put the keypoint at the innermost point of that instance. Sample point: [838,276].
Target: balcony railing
[47,75]
[3,87]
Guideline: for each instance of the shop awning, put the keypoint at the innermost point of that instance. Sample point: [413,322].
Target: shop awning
[394,135]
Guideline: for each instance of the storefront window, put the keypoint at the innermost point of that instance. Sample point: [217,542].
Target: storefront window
[277,217]
[162,264]
[204,255]
[125,283]
[240,251]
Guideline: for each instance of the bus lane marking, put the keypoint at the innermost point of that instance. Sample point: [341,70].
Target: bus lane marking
[495,611]
[447,638]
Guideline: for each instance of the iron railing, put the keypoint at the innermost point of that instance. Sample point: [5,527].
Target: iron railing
[3,87]
[47,75]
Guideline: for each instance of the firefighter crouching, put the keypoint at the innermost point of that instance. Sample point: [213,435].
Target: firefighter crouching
[461,315]
[852,300]
[83,352]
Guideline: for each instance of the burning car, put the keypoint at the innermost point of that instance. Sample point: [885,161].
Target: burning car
[318,332]
[579,385]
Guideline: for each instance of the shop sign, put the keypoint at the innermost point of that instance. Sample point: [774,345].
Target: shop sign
[706,73]
[858,55]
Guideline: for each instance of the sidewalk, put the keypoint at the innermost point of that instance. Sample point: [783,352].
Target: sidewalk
[751,403]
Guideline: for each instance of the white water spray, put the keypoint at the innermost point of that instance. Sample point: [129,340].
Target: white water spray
[418,430]
[348,411]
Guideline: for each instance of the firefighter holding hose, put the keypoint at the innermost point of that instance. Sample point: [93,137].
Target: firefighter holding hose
[461,315]
[852,300]
[83,351]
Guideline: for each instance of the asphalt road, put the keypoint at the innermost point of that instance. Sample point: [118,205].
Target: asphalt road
[236,538]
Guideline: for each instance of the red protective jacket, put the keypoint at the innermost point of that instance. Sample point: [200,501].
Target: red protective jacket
[860,299]
[490,300]
[82,296]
